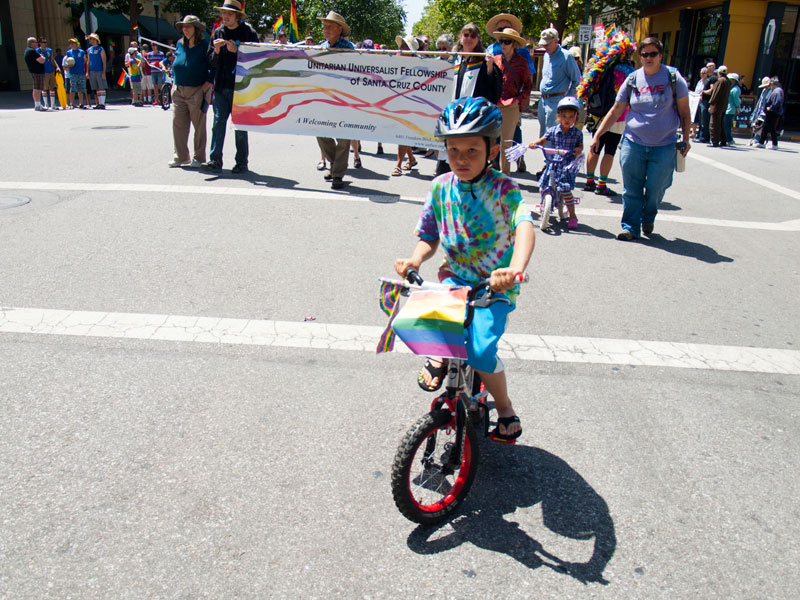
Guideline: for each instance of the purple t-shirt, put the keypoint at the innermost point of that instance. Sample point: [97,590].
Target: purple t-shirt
[652,119]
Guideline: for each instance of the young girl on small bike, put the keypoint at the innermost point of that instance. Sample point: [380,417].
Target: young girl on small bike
[568,138]
[484,226]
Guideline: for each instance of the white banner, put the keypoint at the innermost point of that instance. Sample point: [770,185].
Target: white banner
[341,94]
[694,102]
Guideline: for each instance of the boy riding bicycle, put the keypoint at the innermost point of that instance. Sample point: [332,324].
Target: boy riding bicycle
[484,226]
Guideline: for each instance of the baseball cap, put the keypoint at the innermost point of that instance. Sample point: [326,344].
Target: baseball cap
[547,36]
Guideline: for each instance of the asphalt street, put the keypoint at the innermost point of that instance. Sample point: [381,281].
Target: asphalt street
[134,467]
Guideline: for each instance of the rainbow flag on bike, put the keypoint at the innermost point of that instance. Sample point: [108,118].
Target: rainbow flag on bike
[431,323]
[390,293]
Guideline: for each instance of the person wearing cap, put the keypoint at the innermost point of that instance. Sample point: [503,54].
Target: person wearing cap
[97,70]
[658,101]
[222,54]
[193,82]
[78,72]
[335,29]
[734,102]
[515,92]
[50,69]
[498,23]
[560,77]
[758,115]
[773,110]
[35,63]
[717,105]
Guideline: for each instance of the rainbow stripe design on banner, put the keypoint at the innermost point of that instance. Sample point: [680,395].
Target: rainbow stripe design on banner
[390,293]
[432,323]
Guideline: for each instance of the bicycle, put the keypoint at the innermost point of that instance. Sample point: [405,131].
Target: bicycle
[551,190]
[437,459]
[166,91]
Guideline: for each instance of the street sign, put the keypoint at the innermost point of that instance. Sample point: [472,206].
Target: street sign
[92,22]
[584,34]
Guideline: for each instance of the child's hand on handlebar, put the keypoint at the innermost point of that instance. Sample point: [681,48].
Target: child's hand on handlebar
[402,265]
[504,279]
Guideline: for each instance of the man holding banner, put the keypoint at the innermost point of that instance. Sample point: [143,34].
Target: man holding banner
[335,28]
[222,55]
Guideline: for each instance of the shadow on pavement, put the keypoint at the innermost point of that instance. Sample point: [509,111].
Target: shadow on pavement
[521,477]
[686,248]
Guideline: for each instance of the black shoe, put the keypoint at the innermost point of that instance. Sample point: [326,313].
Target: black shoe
[239,169]
[605,191]
[101,107]
[626,236]
[380,149]
[647,228]
[211,166]
[589,187]
[328,176]
[539,174]
[337,183]
[521,168]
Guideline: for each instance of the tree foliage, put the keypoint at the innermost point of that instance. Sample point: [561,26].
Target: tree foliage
[449,16]
[378,20]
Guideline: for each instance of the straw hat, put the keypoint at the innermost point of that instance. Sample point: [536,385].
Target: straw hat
[491,24]
[93,36]
[764,82]
[233,6]
[409,40]
[510,34]
[192,20]
[334,17]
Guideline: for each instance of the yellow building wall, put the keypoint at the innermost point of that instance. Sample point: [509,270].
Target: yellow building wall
[23,23]
[744,35]
[53,21]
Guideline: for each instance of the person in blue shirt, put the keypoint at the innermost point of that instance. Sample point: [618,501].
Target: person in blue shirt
[499,23]
[335,29]
[97,70]
[78,73]
[560,77]
[50,69]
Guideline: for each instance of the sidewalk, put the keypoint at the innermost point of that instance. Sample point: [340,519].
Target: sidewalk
[23,100]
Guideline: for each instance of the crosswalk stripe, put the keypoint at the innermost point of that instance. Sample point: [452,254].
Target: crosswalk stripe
[545,348]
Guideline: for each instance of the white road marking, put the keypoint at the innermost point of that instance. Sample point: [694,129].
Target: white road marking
[746,176]
[262,192]
[546,348]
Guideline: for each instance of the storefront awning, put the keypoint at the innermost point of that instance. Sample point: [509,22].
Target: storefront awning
[110,23]
[147,25]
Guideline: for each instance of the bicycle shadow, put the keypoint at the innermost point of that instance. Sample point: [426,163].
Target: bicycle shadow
[525,477]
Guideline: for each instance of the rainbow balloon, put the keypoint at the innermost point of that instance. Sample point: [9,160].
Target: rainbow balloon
[432,323]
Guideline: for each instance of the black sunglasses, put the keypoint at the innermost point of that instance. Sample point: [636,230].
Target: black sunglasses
[648,54]
[506,42]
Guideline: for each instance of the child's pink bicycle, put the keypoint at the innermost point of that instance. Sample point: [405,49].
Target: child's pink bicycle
[437,459]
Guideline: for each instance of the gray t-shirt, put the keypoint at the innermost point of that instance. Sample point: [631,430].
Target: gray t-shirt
[652,119]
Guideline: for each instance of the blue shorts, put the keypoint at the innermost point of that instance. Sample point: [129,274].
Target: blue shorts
[484,333]
[158,77]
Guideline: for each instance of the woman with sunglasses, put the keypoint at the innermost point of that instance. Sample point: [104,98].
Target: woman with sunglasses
[516,91]
[647,152]
[475,76]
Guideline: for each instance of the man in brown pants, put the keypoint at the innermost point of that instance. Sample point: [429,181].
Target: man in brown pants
[717,105]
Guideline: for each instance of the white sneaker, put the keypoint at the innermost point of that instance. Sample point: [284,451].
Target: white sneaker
[195,164]
[179,163]
[774,147]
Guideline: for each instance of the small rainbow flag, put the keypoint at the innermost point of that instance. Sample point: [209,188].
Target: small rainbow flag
[390,292]
[276,28]
[123,77]
[294,32]
[432,323]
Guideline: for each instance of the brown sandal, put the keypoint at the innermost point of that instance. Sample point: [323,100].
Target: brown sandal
[397,172]
[409,164]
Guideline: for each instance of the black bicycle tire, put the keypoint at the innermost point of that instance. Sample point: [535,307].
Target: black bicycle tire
[406,452]
[166,96]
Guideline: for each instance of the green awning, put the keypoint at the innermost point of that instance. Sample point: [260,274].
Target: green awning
[117,24]
[147,25]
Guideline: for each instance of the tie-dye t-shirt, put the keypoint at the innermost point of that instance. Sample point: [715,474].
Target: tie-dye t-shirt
[476,232]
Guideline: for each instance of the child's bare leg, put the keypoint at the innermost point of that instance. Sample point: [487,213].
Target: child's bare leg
[496,385]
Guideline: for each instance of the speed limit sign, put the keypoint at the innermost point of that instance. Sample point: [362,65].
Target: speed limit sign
[584,34]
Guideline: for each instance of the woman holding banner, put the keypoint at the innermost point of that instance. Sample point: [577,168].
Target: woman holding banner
[475,74]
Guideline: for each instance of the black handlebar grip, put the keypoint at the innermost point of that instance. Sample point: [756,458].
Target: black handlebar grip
[413,276]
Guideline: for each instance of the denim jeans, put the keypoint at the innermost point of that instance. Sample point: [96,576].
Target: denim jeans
[547,112]
[223,105]
[727,128]
[646,175]
[705,123]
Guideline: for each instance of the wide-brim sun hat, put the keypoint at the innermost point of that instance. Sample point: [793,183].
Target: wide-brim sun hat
[192,20]
[73,41]
[335,17]
[510,34]
[93,36]
[410,41]
[492,24]
[764,82]
[232,6]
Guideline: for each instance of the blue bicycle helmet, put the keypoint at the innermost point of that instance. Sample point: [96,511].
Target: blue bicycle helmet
[569,102]
[469,116]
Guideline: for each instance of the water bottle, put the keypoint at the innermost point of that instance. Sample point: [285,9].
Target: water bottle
[680,159]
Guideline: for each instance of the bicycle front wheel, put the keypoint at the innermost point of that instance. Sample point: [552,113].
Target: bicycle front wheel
[166,96]
[426,487]
[547,206]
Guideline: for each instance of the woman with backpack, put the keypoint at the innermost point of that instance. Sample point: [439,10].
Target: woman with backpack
[658,101]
